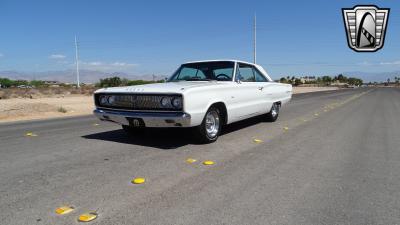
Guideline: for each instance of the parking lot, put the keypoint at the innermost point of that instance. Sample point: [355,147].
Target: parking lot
[331,158]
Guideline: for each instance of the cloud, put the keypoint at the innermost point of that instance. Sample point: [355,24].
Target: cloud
[365,63]
[57,56]
[107,66]
[123,64]
[390,63]
[93,63]
[393,63]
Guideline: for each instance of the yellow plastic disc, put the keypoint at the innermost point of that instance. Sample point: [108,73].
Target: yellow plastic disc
[286,128]
[96,124]
[64,210]
[138,180]
[208,162]
[31,134]
[257,140]
[87,217]
[190,160]
[316,114]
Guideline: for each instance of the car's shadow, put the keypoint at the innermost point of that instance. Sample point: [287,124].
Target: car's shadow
[165,138]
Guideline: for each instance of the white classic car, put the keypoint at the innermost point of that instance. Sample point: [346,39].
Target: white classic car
[204,95]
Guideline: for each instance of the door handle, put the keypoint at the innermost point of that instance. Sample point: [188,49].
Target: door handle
[260,88]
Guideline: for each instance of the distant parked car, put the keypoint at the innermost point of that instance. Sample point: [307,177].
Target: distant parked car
[204,95]
[24,86]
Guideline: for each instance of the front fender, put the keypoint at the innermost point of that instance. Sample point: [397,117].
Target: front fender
[197,104]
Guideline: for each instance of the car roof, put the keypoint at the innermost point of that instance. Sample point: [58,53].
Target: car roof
[221,60]
[236,61]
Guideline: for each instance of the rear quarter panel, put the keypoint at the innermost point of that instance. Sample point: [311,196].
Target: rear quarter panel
[281,92]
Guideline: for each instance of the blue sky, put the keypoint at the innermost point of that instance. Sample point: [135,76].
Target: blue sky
[145,37]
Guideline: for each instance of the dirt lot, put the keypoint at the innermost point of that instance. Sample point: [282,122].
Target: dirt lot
[16,109]
[26,109]
[298,90]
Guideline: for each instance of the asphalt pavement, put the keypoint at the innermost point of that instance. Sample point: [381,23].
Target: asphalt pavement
[331,158]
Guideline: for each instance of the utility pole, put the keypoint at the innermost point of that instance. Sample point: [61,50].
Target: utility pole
[77,63]
[255,38]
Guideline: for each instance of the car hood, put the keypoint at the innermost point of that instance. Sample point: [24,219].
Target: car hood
[169,87]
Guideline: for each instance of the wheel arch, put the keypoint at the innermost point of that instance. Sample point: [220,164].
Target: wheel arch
[223,110]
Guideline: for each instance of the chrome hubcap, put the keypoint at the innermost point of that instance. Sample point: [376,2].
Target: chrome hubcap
[212,124]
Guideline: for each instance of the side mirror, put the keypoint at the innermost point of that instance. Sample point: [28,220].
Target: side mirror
[237,79]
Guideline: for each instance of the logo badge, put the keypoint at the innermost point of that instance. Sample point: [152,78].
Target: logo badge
[365,27]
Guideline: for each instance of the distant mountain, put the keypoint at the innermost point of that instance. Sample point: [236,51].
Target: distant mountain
[373,77]
[92,76]
[86,76]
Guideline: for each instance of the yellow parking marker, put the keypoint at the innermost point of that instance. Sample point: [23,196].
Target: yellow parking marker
[31,134]
[190,160]
[87,217]
[64,210]
[285,128]
[257,140]
[208,163]
[316,114]
[138,180]
[96,124]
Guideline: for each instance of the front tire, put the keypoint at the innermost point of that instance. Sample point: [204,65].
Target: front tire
[210,128]
[272,116]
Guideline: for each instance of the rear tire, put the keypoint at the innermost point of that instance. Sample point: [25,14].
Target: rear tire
[272,116]
[210,128]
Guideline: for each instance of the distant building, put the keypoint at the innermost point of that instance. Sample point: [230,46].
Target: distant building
[308,79]
[338,83]
[52,83]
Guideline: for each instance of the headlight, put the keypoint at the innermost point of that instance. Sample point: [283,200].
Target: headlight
[111,99]
[103,100]
[164,102]
[177,102]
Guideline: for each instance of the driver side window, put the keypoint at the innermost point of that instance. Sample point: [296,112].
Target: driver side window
[246,73]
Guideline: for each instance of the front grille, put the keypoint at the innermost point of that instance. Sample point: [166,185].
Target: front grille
[135,101]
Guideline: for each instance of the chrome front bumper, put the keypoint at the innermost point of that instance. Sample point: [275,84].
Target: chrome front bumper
[146,119]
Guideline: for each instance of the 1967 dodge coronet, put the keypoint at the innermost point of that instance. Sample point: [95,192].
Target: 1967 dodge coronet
[204,95]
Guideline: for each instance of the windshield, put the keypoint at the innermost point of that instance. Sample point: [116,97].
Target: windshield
[204,71]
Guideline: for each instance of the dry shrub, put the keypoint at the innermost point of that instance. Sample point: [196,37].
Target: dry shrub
[62,109]
[44,92]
